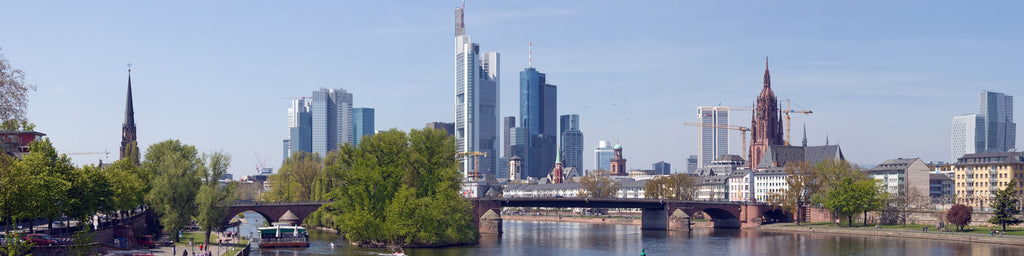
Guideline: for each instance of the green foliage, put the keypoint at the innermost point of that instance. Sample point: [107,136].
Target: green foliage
[599,184]
[959,215]
[83,242]
[176,169]
[828,175]
[90,191]
[675,187]
[13,125]
[16,247]
[850,197]
[15,185]
[129,184]
[398,188]
[1005,206]
[50,179]
[296,178]
[213,200]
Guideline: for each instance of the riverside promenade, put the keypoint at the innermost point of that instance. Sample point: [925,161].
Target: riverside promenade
[900,233]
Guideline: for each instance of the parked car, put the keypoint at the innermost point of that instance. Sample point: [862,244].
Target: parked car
[40,239]
[147,241]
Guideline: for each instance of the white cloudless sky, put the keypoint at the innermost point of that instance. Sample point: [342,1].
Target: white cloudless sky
[884,78]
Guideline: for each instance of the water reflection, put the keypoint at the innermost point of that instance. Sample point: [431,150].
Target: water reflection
[554,238]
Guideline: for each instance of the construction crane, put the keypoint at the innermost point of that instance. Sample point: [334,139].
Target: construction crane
[476,164]
[297,97]
[105,153]
[261,163]
[743,133]
[789,110]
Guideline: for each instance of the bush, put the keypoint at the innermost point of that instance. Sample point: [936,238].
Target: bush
[959,215]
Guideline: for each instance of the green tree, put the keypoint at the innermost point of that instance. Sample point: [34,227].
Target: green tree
[14,249]
[50,174]
[599,184]
[674,187]
[829,175]
[13,92]
[128,185]
[14,191]
[293,181]
[213,199]
[1004,207]
[90,192]
[14,125]
[850,197]
[800,178]
[176,169]
[398,188]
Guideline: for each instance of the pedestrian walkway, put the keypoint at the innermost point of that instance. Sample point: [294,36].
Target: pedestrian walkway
[180,248]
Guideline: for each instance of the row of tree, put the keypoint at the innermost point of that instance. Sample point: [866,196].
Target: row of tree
[394,188]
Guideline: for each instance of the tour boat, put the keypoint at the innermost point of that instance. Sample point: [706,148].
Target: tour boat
[397,251]
[282,236]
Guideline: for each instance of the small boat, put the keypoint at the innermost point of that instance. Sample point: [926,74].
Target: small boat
[282,236]
[397,251]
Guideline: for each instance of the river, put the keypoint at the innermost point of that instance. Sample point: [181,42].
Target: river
[564,238]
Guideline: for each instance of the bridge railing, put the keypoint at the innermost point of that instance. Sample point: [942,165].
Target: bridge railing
[256,203]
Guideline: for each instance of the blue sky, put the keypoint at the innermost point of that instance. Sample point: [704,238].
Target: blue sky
[883,78]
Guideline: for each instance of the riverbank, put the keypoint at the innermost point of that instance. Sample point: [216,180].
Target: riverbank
[866,231]
[610,221]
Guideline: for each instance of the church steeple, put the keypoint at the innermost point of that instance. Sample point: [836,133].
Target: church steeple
[128,136]
[767,78]
[805,135]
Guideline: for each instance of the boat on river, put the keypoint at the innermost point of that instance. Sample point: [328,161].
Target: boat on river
[282,236]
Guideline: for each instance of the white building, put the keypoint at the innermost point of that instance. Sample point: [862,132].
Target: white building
[901,175]
[476,101]
[712,188]
[741,185]
[769,181]
[603,156]
[967,135]
[712,142]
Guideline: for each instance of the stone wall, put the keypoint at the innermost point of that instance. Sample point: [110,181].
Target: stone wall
[924,217]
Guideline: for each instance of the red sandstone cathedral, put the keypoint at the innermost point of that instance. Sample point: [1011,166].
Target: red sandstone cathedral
[765,123]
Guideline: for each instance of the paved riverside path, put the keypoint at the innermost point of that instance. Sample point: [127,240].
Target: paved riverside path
[901,233]
[177,249]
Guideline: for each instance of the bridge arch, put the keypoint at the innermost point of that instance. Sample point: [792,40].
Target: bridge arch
[273,212]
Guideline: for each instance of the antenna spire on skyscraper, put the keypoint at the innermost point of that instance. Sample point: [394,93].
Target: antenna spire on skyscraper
[531,54]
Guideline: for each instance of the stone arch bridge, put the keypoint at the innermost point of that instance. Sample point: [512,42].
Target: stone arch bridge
[288,212]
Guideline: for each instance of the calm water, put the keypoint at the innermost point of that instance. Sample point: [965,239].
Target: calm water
[554,238]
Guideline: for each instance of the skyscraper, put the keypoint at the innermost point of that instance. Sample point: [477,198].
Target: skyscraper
[331,112]
[603,156]
[300,127]
[967,137]
[662,168]
[711,142]
[1000,131]
[476,100]
[128,135]
[537,111]
[362,119]
[691,164]
[766,122]
[571,141]
[447,127]
[508,123]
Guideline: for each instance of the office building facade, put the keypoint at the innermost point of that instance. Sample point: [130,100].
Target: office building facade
[362,121]
[662,168]
[603,156]
[331,112]
[712,142]
[1000,131]
[476,101]
[966,137]
[571,143]
[537,112]
[300,127]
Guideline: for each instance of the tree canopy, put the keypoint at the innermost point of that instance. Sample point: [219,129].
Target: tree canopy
[176,170]
[1004,207]
[960,215]
[13,92]
[801,177]
[213,199]
[599,184]
[398,188]
[677,186]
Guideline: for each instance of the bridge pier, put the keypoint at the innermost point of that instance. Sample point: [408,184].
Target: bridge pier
[679,220]
[654,219]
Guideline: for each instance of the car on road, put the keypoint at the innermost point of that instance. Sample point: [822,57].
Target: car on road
[147,241]
[40,239]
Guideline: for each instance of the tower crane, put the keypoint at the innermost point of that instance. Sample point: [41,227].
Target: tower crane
[106,154]
[789,110]
[476,164]
[743,133]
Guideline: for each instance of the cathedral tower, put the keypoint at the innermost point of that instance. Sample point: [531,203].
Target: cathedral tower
[128,128]
[766,121]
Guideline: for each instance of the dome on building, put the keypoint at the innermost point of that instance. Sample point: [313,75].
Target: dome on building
[617,146]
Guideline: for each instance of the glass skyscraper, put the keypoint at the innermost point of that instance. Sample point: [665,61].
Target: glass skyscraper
[362,119]
[712,142]
[300,127]
[476,101]
[571,143]
[538,103]
[331,112]
[603,156]
[1000,131]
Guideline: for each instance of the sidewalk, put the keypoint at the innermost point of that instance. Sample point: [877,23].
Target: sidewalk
[867,231]
[180,248]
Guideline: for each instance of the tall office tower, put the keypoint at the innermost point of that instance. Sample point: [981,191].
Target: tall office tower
[476,101]
[691,164]
[766,121]
[603,156]
[711,142]
[331,112]
[1000,131]
[362,120]
[447,127]
[967,136]
[662,168]
[537,112]
[508,123]
[300,127]
[571,143]
[286,148]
